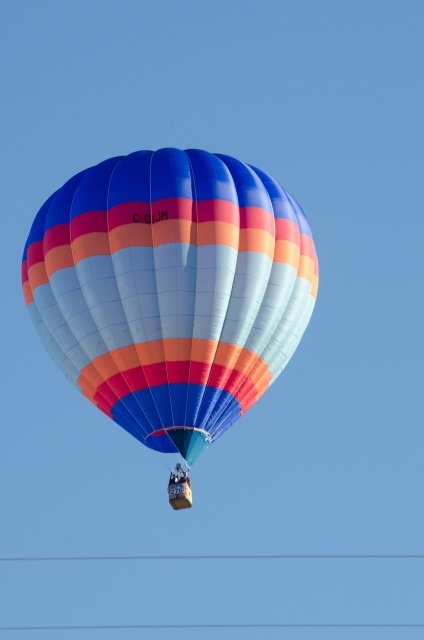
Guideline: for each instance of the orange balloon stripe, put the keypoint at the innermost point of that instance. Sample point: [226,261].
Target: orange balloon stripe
[58,258]
[306,268]
[90,244]
[224,233]
[130,235]
[257,240]
[170,231]
[173,350]
[27,291]
[37,275]
[314,289]
[287,252]
[229,369]
[173,231]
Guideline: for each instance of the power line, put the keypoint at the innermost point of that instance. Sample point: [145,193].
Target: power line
[222,626]
[221,557]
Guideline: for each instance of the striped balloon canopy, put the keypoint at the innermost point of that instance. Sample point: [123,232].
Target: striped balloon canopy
[171,288]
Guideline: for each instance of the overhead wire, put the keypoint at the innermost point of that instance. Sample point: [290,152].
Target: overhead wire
[288,625]
[220,557]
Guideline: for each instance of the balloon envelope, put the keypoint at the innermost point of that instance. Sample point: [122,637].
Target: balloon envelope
[171,288]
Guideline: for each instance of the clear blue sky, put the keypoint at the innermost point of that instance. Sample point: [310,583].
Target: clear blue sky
[328,98]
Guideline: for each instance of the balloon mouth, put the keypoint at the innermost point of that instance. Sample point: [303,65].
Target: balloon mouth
[189,441]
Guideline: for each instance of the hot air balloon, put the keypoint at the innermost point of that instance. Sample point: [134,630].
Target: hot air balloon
[171,288]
